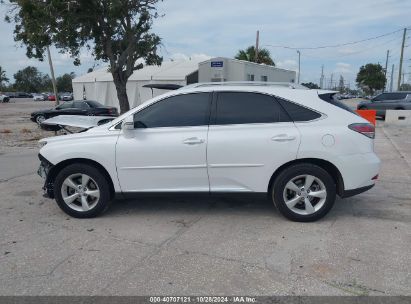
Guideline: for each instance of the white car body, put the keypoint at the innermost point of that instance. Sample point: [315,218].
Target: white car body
[38,97]
[223,158]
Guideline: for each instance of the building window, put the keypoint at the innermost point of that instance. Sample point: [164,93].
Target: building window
[250,77]
[264,78]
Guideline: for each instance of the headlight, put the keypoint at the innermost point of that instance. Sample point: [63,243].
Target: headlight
[41,144]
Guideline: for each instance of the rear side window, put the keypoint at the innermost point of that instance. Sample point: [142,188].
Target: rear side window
[332,99]
[80,105]
[248,108]
[298,113]
[390,96]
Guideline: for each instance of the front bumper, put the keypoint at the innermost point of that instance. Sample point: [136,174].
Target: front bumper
[44,172]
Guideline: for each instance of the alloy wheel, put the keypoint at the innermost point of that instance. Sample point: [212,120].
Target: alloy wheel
[80,192]
[305,194]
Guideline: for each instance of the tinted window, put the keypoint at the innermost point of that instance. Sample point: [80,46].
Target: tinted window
[66,105]
[332,99]
[177,111]
[93,104]
[245,108]
[298,113]
[390,96]
[80,105]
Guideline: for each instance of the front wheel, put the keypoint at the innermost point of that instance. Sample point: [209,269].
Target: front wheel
[82,191]
[40,119]
[304,192]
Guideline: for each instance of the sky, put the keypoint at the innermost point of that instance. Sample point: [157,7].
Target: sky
[204,29]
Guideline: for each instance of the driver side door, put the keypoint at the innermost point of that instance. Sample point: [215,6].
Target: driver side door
[166,150]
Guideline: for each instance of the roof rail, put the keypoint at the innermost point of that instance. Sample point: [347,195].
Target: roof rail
[289,85]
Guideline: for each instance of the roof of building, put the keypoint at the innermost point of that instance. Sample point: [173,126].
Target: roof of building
[168,70]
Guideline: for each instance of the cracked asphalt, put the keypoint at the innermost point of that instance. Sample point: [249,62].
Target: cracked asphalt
[205,246]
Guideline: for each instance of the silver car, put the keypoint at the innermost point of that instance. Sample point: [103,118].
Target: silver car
[387,101]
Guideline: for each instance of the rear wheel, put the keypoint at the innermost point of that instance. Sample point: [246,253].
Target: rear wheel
[362,108]
[304,192]
[82,191]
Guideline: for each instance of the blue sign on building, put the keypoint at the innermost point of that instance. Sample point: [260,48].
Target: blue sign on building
[217,64]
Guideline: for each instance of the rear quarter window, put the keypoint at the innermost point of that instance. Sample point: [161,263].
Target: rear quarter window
[297,112]
[331,98]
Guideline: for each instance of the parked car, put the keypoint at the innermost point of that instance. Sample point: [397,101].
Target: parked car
[387,101]
[51,97]
[39,97]
[78,107]
[4,98]
[66,96]
[288,144]
[22,95]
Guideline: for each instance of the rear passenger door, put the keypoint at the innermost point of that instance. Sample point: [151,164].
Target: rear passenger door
[250,136]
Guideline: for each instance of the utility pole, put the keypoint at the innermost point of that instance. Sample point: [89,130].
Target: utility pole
[53,80]
[401,58]
[385,71]
[322,77]
[299,65]
[331,81]
[392,78]
[257,43]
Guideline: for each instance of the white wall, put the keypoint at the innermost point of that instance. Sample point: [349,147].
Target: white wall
[237,70]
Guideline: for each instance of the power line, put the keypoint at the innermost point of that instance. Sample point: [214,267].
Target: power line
[333,45]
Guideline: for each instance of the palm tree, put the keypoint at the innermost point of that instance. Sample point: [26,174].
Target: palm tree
[264,56]
[3,77]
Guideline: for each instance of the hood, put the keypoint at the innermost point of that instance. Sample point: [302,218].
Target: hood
[84,122]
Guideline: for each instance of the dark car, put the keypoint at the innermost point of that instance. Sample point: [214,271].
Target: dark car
[77,107]
[387,101]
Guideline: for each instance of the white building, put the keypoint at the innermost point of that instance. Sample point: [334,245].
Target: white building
[226,69]
[98,85]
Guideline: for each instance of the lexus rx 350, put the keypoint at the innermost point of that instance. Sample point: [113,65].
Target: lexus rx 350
[294,145]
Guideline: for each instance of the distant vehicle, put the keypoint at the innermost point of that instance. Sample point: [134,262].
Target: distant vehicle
[39,97]
[4,98]
[387,101]
[290,145]
[22,95]
[78,107]
[66,96]
[51,97]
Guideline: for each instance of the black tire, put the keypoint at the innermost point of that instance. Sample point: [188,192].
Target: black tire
[362,108]
[40,118]
[280,182]
[101,204]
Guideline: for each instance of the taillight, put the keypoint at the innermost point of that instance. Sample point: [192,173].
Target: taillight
[363,128]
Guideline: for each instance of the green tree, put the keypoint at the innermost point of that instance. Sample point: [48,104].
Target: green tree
[64,82]
[371,78]
[248,54]
[29,79]
[3,78]
[117,32]
[405,87]
[311,85]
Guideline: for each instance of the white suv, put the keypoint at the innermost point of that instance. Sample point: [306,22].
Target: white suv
[299,147]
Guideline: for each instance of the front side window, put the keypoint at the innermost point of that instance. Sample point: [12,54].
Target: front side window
[177,111]
[248,108]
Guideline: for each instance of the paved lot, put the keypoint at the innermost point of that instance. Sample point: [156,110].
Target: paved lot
[208,246]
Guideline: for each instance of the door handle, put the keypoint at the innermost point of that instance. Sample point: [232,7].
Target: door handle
[193,141]
[283,138]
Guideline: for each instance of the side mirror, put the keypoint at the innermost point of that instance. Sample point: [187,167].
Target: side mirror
[128,123]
